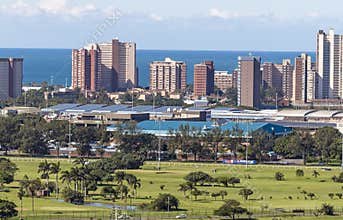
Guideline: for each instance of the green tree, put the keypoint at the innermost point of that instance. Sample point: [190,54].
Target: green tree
[231,208]
[7,171]
[20,195]
[327,209]
[222,193]
[44,170]
[245,193]
[32,187]
[198,177]
[7,209]
[108,190]
[9,128]
[279,176]
[315,173]
[299,172]
[31,140]
[55,169]
[165,202]
[327,143]
[196,193]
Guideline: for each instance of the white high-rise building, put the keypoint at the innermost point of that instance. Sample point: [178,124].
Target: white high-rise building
[329,65]
[168,75]
[304,78]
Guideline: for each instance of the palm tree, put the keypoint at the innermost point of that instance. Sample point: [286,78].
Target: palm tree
[315,173]
[80,161]
[55,168]
[133,182]
[20,195]
[120,177]
[76,176]
[44,170]
[66,177]
[124,191]
[33,187]
[183,187]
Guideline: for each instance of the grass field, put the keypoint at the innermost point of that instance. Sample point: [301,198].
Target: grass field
[268,193]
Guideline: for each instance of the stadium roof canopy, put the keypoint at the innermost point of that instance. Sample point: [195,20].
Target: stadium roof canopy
[84,108]
[323,114]
[111,108]
[295,113]
[60,107]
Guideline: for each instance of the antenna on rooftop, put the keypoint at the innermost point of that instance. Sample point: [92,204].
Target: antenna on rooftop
[51,80]
[66,85]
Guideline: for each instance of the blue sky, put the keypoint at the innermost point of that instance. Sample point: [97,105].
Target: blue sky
[177,24]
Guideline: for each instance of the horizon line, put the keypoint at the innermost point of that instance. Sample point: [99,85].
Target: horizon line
[145,49]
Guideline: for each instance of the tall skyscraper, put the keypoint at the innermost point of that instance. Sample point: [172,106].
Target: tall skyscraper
[109,66]
[279,77]
[304,78]
[11,77]
[204,78]
[329,65]
[168,75]
[223,80]
[286,69]
[271,76]
[249,82]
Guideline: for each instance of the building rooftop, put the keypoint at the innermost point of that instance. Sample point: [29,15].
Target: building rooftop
[166,109]
[111,108]
[295,113]
[59,107]
[323,114]
[142,108]
[248,58]
[84,108]
[164,128]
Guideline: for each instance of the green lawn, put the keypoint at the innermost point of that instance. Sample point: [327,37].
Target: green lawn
[268,192]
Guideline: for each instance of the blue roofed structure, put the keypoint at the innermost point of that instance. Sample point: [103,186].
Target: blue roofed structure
[163,128]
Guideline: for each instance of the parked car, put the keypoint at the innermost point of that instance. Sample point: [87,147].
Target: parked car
[181,216]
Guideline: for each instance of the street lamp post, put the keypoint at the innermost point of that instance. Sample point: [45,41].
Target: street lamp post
[159,146]
[340,129]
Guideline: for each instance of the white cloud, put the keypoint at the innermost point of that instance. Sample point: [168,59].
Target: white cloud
[156,17]
[61,8]
[215,12]
[19,7]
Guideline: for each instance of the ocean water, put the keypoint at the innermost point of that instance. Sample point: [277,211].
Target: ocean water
[54,65]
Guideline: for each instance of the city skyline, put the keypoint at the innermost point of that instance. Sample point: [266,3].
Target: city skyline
[227,25]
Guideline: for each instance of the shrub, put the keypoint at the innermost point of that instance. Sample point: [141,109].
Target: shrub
[245,193]
[72,196]
[338,179]
[299,172]
[327,209]
[339,195]
[331,195]
[279,176]
[7,209]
